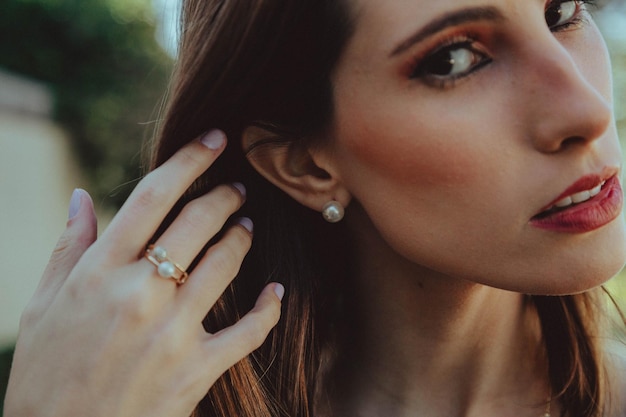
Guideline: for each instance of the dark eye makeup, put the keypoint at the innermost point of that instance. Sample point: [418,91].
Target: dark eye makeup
[461,55]
[456,58]
[561,15]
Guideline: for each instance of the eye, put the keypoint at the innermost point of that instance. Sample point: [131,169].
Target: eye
[562,13]
[451,62]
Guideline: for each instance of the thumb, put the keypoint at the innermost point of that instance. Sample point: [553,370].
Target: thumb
[79,234]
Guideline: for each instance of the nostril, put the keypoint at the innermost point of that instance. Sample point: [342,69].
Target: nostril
[564,144]
[573,141]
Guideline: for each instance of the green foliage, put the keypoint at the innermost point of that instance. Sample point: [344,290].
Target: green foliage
[6,356]
[106,70]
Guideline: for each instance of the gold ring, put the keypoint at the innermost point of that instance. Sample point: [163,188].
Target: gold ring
[166,268]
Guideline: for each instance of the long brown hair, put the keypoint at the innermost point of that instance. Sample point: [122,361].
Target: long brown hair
[269,63]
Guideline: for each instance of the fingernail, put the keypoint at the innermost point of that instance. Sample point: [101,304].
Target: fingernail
[241,188]
[75,203]
[279,290]
[246,223]
[214,140]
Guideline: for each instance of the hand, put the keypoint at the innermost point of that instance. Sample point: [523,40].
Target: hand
[105,335]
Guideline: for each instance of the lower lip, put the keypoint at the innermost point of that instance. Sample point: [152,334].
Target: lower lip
[590,215]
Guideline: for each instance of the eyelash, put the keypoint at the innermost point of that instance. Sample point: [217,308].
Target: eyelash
[468,42]
[459,42]
[578,18]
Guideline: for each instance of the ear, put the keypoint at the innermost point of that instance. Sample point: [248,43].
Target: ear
[304,172]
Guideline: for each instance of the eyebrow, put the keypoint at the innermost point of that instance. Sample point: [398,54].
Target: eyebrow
[458,17]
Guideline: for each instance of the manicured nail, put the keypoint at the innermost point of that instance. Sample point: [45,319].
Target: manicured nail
[279,290]
[246,223]
[75,203]
[241,188]
[214,140]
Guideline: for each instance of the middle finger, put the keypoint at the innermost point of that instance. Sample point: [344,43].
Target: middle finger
[199,221]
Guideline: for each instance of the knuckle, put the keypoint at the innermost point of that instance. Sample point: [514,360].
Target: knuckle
[61,250]
[150,193]
[273,315]
[169,342]
[189,155]
[263,322]
[231,193]
[226,257]
[254,337]
[89,284]
[31,315]
[240,240]
[68,250]
[224,260]
[64,242]
[223,197]
[133,306]
[128,304]
[195,215]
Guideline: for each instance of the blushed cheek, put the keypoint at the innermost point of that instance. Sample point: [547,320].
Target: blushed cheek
[411,155]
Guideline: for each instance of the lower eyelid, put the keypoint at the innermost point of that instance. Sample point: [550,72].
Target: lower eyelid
[581,17]
[575,23]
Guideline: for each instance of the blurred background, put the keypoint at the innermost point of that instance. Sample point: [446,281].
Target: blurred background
[81,84]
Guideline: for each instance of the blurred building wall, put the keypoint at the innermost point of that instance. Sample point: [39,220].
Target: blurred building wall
[37,176]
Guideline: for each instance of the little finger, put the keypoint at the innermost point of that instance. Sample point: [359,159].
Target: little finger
[239,340]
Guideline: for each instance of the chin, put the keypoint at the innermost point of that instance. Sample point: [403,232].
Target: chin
[588,266]
[564,264]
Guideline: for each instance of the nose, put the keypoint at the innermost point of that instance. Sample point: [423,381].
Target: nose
[566,105]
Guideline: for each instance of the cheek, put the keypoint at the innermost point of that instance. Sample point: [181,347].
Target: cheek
[428,175]
[407,148]
[426,172]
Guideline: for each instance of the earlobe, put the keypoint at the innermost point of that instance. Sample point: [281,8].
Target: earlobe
[288,163]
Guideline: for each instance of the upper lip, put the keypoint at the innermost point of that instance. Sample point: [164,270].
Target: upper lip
[585,183]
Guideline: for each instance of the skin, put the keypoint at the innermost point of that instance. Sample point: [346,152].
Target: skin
[434,329]
[471,163]
[131,342]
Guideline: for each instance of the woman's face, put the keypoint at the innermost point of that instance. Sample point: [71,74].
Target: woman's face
[461,123]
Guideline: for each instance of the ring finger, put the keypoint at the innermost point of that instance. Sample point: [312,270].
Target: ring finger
[198,222]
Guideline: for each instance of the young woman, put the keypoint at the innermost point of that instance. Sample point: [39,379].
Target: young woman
[465,158]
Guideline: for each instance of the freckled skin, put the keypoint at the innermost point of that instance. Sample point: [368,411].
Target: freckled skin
[451,177]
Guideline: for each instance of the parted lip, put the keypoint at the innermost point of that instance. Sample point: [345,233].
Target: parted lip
[586,182]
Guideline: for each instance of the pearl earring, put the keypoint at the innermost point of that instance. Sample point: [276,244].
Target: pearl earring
[333,212]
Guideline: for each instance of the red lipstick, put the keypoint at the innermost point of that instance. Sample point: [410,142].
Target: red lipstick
[586,216]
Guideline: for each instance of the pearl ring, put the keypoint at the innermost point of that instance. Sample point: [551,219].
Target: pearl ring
[166,268]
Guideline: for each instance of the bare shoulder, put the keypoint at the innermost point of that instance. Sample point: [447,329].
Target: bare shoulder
[616,366]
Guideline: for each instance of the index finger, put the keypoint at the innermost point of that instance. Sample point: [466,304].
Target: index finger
[156,194]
